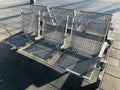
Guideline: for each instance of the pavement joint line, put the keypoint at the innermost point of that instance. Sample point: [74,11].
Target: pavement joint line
[115,33]
[53,85]
[112,65]
[116,48]
[114,58]
[112,75]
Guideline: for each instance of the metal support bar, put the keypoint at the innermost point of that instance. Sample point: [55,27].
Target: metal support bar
[51,16]
[39,29]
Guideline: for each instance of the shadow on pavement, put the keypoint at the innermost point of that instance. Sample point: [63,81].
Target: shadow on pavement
[18,72]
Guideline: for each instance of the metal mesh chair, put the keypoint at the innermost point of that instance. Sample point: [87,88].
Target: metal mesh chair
[29,28]
[82,55]
[69,12]
[52,36]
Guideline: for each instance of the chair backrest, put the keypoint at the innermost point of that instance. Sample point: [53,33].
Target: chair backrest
[29,22]
[57,32]
[41,9]
[96,16]
[86,42]
[69,12]
[94,22]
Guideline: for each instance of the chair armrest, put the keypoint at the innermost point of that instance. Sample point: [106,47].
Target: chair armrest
[104,46]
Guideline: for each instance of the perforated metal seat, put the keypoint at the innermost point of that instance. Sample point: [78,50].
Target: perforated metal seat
[52,36]
[82,56]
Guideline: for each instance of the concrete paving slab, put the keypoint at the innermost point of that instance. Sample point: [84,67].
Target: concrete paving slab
[116,37]
[114,62]
[110,83]
[58,83]
[116,30]
[115,53]
[89,5]
[13,2]
[116,45]
[12,74]
[114,71]
[5,66]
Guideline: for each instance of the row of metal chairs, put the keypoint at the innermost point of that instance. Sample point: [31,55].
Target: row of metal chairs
[79,39]
[87,34]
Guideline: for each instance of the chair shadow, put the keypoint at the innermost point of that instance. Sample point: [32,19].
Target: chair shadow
[74,83]
[18,72]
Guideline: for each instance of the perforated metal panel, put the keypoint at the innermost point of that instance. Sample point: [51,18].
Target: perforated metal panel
[98,23]
[95,27]
[41,9]
[30,22]
[90,36]
[96,16]
[69,12]
[55,32]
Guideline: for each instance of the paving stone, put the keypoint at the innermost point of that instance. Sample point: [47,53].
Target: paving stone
[115,53]
[22,82]
[115,36]
[114,71]
[60,81]
[113,61]
[116,44]
[12,74]
[44,87]
[110,83]
[4,66]
[116,31]
[8,87]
